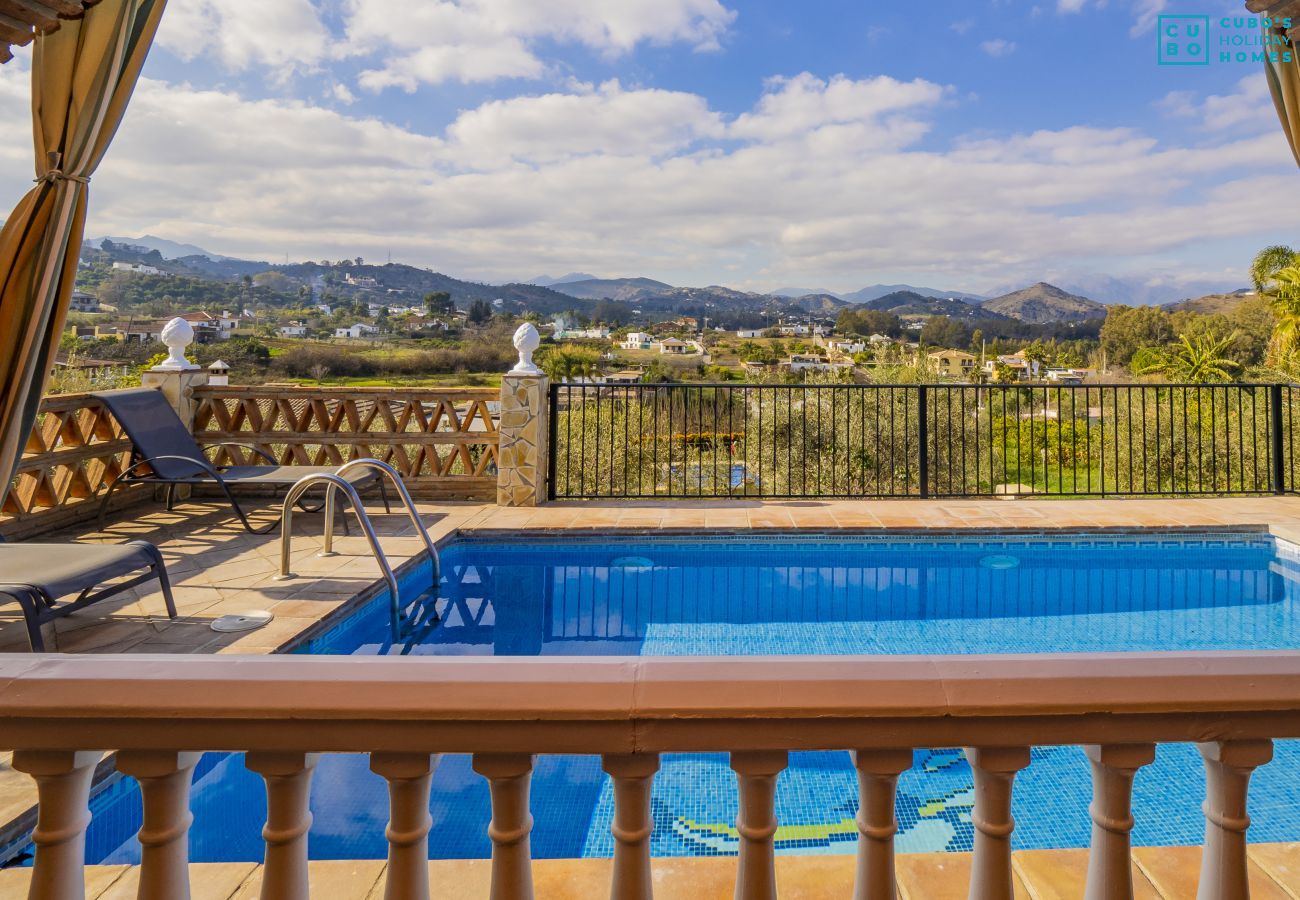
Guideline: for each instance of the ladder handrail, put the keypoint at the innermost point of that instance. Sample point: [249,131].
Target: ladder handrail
[336,482]
[384,469]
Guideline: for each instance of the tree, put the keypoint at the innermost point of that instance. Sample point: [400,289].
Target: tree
[1283,291]
[569,361]
[1268,262]
[480,312]
[1128,329]
[439,303]
[1196,360]
[941,331]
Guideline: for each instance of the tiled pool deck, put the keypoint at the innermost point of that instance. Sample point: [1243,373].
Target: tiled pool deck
[1158,873]
[217,569]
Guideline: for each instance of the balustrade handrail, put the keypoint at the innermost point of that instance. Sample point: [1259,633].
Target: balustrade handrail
[611,704]
[57,713]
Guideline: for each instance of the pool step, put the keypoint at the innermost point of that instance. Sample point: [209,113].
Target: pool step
[1160,873]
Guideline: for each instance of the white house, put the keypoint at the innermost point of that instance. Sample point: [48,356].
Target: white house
[638,340]
[584,334]
[136,268]
[846,347]
[750,333]
[293,329]
[803,362]
[359,330]
[83,302]
[674,347]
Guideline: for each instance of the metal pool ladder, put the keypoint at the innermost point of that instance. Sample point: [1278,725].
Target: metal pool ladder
[335,482]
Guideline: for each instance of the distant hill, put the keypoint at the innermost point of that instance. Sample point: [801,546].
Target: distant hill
[876,291]
[1110,290]
[1211,304]
[1043,304]
[610,288]
[548,281]
[910,303]
[795,293]
[167,249]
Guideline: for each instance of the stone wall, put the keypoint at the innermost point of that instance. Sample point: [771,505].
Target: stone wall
[521,479]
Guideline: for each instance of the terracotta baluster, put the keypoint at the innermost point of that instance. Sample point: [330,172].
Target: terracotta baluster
[509,775]
[288,819]
[633,775]
[1228,767]
[995,771]
[408,776]
[756,869]
[164,778]
[63,793]
[878,772]
[1110,865]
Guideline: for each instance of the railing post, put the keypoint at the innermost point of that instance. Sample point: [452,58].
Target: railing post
[1277,438]
[523,429]
[508,776]
[288,819]
[1110,865]
[633,775]
[63,812]
[995,771]
[164,778]
[923,436]
[878,772]
[1228,767]
[756,869]
[409,776]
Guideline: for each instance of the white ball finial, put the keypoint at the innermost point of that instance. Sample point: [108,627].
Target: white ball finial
[527,340]
[177,335]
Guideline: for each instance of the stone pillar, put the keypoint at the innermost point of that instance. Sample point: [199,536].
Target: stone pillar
[523,429]
[176,376]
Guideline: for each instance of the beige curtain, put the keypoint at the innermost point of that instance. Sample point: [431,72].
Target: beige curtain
[83,75]
[1284,83]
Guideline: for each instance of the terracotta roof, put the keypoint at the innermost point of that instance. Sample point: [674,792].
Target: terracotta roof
[21,20]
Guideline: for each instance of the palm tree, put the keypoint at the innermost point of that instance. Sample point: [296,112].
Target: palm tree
[1283,293]
[1198,360]
[1268,262]
[562,363]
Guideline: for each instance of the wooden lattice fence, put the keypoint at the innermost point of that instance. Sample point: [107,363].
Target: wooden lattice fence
[74,451]
[443,442]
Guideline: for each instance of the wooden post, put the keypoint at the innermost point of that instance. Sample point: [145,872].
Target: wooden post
[164,778]
[288,819]
[1228,767]
[1110,863]
[633,775]
[63,794]
[756,773]
[409,822]
[995,771]
[878,772]
[509,775]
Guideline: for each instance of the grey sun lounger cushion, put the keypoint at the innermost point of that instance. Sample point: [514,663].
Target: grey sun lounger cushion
[165,452]
[61,569]
[38,576]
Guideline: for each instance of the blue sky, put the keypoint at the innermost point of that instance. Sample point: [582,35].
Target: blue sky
[756,144]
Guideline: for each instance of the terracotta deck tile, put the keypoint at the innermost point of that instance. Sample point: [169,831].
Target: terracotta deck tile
[939,876]
[1281,862]
[341,879]
[208,881]
[1176,871]
[1062,875]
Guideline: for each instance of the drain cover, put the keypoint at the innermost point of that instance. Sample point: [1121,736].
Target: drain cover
[249,621]
[999,562]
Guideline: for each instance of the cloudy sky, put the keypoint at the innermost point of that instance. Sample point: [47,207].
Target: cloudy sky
[756,143]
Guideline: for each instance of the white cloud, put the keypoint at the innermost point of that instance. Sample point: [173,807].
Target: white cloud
[1145,12]
[998,47]
[818,178]
[483,40]
[283,35]
[1248,106]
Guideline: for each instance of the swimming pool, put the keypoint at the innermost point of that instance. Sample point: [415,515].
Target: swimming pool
[806,594]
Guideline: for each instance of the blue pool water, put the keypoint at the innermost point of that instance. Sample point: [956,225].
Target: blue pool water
[804,595]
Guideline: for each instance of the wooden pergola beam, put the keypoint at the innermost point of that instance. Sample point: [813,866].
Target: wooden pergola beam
[22,20]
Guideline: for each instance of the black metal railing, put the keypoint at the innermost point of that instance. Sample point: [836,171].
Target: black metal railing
[846,440]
